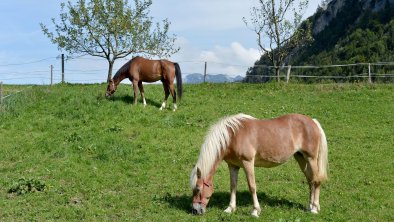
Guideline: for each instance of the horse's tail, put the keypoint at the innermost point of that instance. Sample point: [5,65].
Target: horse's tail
[178,76]
[322,159]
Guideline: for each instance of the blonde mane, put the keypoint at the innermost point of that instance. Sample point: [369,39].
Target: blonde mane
[217,139]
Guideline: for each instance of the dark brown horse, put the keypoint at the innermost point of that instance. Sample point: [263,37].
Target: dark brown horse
[245,142]
[139,70]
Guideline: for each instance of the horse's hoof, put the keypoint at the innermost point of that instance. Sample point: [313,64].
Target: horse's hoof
[229,210]
[314,209]
[255,214]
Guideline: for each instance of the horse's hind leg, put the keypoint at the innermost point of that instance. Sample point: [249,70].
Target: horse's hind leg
[309,168]
[135,88]
[166,94]
[233,187]
[141,87]
[173,94]
[314,206]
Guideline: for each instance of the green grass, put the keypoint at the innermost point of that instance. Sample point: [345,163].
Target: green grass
[107,160]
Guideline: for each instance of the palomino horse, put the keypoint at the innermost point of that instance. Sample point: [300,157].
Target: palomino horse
[243,141]
[140,70]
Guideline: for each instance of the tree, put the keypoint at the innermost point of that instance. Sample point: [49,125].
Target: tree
[110,29]
[278,23]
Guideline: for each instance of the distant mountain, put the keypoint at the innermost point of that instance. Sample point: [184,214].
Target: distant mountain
[213,78]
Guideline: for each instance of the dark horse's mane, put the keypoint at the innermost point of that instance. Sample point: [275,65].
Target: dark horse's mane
[124,68]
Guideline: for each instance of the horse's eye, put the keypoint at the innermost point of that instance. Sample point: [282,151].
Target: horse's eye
[196,190]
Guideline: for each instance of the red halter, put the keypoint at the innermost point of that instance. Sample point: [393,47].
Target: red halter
[201,200]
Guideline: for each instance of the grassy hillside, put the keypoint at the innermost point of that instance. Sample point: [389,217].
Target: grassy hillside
[107,160]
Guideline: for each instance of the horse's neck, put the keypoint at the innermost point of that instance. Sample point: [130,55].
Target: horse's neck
[118,78]
[212,171]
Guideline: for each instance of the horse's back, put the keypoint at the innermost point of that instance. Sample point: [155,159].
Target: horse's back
[145,70]
[272,142]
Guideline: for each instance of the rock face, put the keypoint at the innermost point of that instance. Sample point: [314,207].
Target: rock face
[328,15]
[331,10]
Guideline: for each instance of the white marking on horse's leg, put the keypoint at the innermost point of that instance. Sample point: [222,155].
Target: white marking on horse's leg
[315,205]
[255,213]
[314,210]
[229,210]
[175,107]
[163,105]
[312,196]
[144,101]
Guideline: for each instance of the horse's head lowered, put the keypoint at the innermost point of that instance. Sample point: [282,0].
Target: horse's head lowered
[111,88]
[202,192]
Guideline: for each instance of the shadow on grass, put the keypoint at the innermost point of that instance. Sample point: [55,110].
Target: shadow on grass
[130,100]
[221,200]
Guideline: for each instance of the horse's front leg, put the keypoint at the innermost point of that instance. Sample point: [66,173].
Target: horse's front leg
[249,171]
[135,88]
[233,188]
[141,87]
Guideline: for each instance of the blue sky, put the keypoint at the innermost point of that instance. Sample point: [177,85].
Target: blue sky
[206,30]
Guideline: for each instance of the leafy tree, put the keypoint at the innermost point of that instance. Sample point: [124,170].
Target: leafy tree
[110,29]
[278,23]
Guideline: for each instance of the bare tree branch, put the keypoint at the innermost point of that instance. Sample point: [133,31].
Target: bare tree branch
[276,23]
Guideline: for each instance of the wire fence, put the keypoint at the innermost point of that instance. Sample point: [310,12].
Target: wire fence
[83,70]
[368,72]
[95,70]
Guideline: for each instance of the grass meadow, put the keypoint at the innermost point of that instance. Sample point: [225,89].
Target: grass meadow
[69,154]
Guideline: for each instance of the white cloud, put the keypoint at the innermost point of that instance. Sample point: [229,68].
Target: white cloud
[206,30]
[233,59]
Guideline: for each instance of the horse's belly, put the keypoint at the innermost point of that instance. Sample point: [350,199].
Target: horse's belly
[266,164]
[151,78]
[257,163]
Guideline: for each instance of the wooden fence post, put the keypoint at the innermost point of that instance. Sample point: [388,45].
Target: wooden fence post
[288,73]
[51,75]
[1,92]
[369,73]
[62,68]
[205,71]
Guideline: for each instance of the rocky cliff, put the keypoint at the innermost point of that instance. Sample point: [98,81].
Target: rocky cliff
[325,15]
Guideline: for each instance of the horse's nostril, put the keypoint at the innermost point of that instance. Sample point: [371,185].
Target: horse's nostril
[194,211]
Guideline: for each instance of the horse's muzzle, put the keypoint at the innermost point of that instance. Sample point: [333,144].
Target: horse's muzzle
[197,212]
[198,209]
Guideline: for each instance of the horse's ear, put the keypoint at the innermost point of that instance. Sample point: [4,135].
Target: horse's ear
[198,173]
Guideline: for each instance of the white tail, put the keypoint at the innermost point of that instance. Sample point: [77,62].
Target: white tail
[322,159]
